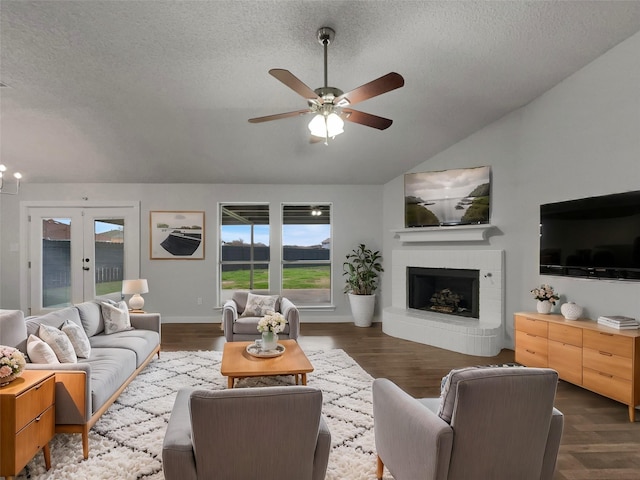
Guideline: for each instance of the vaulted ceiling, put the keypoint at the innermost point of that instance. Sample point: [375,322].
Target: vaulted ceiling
[161,91]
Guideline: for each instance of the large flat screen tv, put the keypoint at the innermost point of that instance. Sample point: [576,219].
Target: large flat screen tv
[596,237]
[449,197]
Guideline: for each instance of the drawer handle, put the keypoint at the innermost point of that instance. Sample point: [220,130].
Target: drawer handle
[605,375]
[606,354]
[531,351]
[531,335]
[607,334]
[38,418]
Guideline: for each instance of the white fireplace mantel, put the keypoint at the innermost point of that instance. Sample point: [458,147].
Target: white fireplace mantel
[453,233]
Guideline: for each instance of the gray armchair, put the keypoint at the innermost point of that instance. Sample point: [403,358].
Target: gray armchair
[244,328]
[494,424]
[270,433]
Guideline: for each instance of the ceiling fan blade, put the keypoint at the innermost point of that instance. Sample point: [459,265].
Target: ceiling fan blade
[315,139]
[376,87]
[278,116]
[294,83]
[367,119]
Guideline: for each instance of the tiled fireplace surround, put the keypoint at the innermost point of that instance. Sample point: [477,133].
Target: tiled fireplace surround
[483,336]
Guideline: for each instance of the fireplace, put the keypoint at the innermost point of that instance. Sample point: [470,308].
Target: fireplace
[445,290]
[411,317]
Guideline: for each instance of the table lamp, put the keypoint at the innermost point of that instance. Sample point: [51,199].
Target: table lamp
[135,288]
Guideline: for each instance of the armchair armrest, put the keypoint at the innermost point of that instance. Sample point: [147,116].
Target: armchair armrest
[323,446]
[291,313]
[229,315]
[410,439]
[178,457]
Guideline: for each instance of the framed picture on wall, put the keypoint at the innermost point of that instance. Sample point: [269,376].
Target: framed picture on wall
[176,235]
[460,196]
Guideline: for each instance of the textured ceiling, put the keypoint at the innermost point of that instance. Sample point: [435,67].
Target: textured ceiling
[160,91]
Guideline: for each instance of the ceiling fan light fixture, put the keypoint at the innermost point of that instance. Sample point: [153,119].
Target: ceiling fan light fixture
[326,125]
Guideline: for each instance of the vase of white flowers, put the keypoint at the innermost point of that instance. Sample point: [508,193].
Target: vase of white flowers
[12,363]
[546,298]
[271,325]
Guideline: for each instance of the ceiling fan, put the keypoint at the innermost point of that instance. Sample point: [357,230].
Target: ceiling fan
[331,105]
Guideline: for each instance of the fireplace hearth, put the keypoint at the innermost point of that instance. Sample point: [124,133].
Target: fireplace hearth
[444,290]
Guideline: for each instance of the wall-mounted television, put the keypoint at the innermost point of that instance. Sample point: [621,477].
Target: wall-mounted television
[450,197]
[595,237]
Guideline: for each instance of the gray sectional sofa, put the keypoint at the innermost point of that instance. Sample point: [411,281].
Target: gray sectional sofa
[85,390]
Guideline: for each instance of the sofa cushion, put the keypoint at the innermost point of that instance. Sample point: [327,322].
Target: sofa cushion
[53,319]
[40,352]
[78,339]
[13,331]
[59,342]
[141,342]
[259,305]
[110,368]
[115,317]
[91,318]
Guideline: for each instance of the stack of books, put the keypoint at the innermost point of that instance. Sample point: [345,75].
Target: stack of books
[618,321]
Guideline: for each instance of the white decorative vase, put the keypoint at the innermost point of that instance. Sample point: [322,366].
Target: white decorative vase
[571,311]
[544,307]
[362,307]
[269,341]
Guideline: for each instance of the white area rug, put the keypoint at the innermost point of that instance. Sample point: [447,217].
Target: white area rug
[126,443]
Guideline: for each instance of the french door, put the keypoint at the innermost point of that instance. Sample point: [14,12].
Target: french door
[77,254]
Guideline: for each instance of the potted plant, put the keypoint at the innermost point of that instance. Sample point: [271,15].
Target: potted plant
[362,268]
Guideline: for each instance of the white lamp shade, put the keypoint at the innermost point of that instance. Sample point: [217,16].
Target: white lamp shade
[130,287]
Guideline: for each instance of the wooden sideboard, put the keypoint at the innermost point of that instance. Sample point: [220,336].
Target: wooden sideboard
[601,359]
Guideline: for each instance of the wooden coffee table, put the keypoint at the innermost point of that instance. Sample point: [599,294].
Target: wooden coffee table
[237,363]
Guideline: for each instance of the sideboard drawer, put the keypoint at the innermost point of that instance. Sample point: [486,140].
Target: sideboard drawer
[565,334]
[607,385]
[34,436]
[35,401]
[607,363]
[566,360]
[528,325]
[531,350]
[609,342]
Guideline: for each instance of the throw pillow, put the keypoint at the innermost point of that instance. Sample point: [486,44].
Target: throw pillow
[40,352]
[259,305]
[59,342]
[116,317]
[78,338]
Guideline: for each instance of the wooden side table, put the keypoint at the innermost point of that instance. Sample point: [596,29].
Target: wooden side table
[27,420]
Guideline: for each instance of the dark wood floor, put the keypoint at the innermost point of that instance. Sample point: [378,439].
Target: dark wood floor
[598,443]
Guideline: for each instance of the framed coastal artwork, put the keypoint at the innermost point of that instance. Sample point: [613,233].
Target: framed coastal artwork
[459,196]
[176,235]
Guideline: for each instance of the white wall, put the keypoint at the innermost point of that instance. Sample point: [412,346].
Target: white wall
[176,284]
[581,138]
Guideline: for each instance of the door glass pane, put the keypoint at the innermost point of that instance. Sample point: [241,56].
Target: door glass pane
[245,255]
[306,254]
[56,262]
[109,255]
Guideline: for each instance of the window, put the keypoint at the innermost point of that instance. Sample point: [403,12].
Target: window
[244,252]
[306,254]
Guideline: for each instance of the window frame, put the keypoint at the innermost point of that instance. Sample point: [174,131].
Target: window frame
[329,262]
